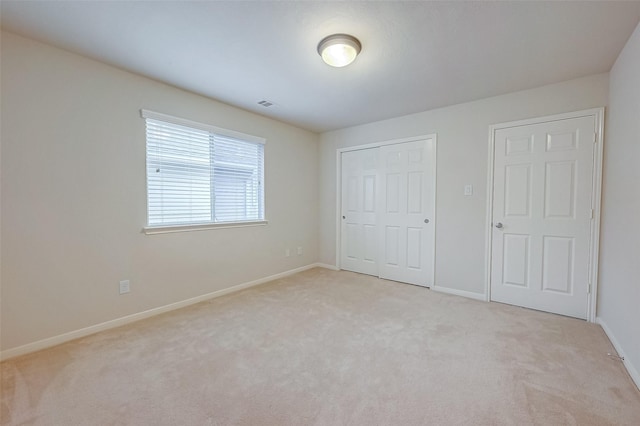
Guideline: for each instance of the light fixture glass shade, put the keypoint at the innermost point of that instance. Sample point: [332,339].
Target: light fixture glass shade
[339,50]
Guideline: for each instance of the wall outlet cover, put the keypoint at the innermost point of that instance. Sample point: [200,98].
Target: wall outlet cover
[125,286]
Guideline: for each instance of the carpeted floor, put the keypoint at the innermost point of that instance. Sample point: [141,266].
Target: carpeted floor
[329,348]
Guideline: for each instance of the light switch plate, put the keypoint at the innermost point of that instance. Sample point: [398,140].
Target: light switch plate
[468,190]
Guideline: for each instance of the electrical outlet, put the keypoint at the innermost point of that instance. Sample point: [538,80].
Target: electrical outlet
[299,251]
[287,252]
[125,286]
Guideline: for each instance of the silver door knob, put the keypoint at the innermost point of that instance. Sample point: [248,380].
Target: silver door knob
[499,225]
[426,221]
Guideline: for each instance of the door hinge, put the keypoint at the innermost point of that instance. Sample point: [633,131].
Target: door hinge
[591,214]
[589,289]
[595,137]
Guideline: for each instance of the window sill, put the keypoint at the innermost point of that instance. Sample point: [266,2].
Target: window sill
[150,230]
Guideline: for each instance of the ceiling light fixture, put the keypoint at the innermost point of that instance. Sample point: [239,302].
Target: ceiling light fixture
[339,50]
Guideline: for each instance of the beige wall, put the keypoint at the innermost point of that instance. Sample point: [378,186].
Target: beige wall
[462,132]
[73,197]
[619,292]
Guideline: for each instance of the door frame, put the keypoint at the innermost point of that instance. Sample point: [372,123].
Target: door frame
[338,215]
[596,196]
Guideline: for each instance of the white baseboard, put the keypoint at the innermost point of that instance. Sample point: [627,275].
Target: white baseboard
[633,372]
[72,335]
[327,266]
[463,293]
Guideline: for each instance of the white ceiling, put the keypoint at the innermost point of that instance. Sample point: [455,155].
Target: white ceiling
[415,55]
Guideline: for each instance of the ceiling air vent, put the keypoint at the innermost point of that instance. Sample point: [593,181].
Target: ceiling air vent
[265,104]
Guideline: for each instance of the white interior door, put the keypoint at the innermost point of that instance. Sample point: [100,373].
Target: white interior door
[542,212]
[359,235]
[406,213]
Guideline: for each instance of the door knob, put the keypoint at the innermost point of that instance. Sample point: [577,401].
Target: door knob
[426,221]
[499,225]
[344,217]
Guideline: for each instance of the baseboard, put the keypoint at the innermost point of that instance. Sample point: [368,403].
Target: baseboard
[83,332]
[633,372]
[463,293]
[327,266]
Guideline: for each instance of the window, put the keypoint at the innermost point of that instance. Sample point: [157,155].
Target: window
[201,175]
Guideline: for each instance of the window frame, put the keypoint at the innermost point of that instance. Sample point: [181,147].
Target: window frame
[161,229]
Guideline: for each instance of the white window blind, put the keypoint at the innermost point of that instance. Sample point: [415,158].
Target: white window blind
[198,174]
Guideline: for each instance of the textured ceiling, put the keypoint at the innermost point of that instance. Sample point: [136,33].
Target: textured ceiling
[415,55]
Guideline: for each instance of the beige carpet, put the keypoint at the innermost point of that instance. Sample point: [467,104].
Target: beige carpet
[329,348]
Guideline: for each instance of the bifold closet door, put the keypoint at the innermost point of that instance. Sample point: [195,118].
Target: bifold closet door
[406,212]
[388,209]
[359,234]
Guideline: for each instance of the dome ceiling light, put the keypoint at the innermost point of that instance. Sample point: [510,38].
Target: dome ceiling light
[339,50]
